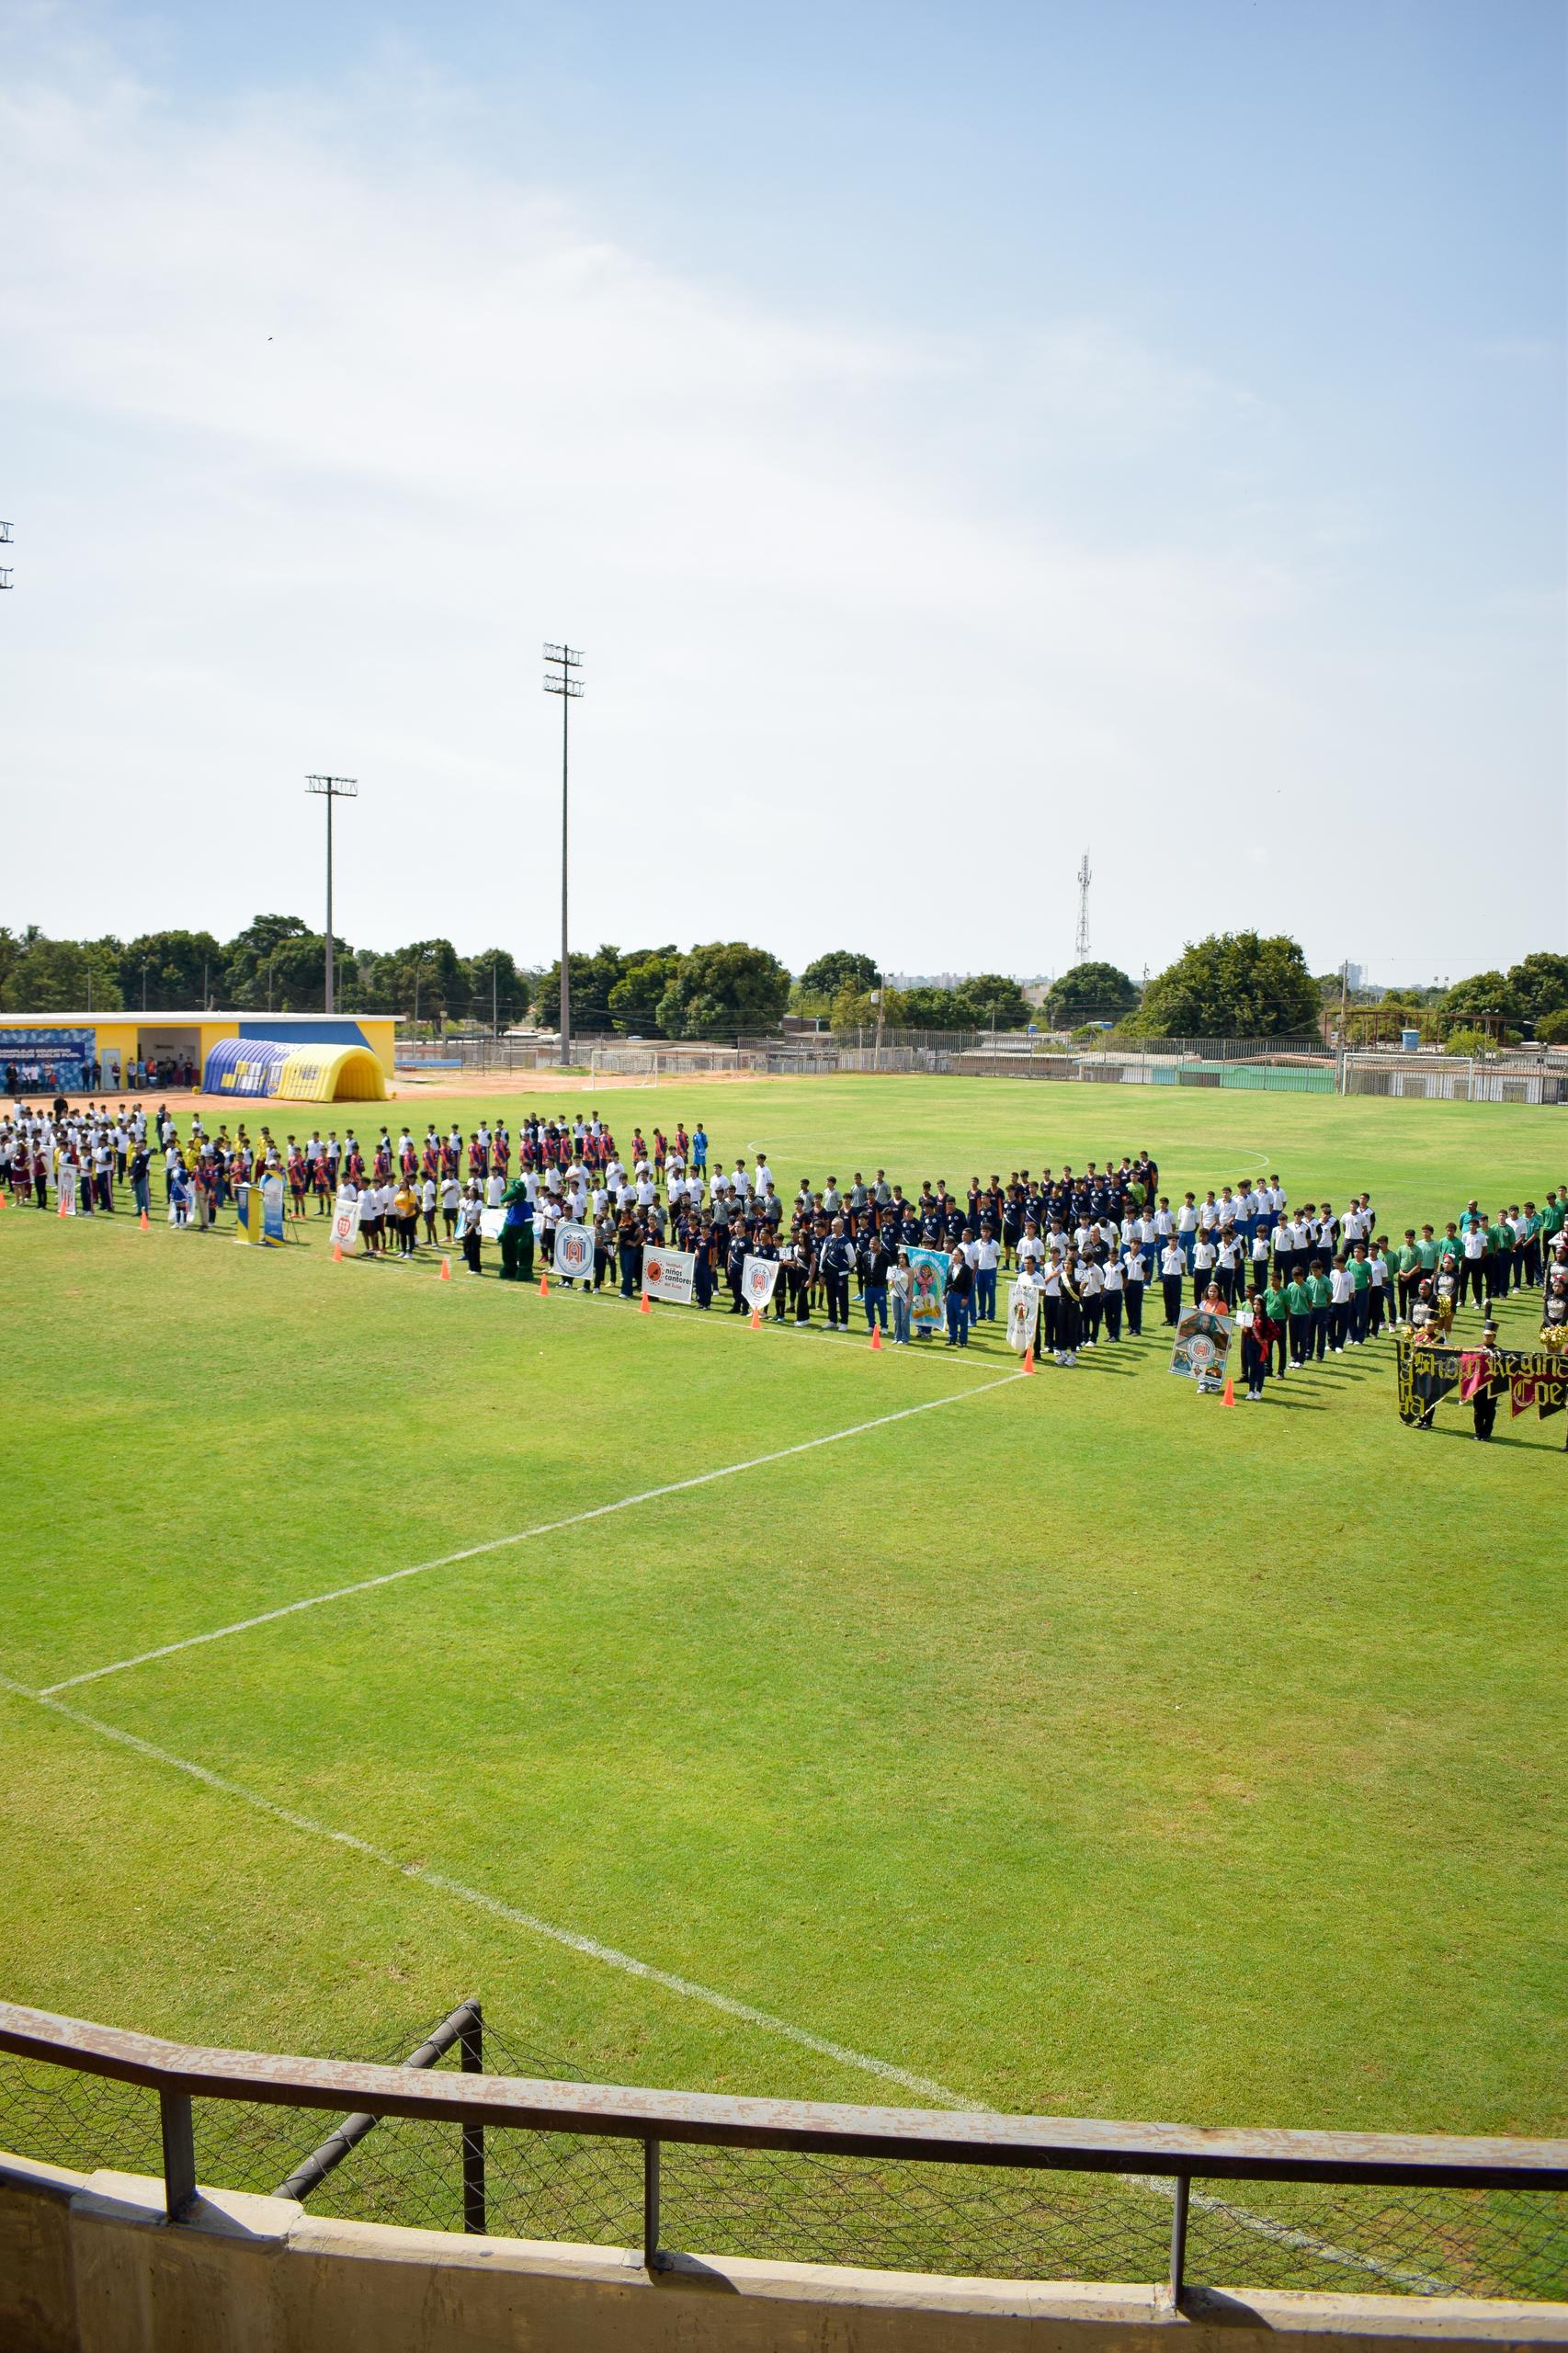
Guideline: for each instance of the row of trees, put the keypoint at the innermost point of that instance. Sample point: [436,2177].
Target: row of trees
[277,965]
[1233,984]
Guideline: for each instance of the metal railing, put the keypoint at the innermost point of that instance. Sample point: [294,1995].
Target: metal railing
[1165,2158]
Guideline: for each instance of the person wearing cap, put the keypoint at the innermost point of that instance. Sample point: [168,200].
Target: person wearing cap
[1483,1404]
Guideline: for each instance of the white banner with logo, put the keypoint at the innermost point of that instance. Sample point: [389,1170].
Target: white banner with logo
[757,1280]
[573,1250]
[345,1222]
[1023,1316]
[668,1274]
[65,1187]
[490,1225]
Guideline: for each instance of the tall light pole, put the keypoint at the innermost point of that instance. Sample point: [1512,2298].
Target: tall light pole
[559,663]
[332,788]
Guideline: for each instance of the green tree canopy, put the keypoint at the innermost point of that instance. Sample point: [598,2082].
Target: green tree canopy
[839,969]
[1234,984]
[62,975]
[428,979]
[1553,1028]
[723,989]
[989,1000]
[1090,993]
[179,966]
[932,1008]
[1484,993]
[1540,985]
[634,998]
[248,955]
[495,987]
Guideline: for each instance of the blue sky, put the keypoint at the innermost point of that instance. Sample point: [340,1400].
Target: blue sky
[959,438]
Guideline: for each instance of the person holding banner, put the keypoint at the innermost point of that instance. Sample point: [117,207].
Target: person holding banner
[957,1296]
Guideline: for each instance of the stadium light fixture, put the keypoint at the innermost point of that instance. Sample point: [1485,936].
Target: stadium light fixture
[561,664]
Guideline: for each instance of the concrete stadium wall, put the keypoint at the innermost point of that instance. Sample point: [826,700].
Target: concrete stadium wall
[89,2265]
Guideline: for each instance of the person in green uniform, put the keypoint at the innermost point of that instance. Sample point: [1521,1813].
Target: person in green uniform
[1360,1275]
[518,1234]
[1321,1290]
[1499,1256]
[1299,1308]
[1276,1307]
[1408,1272]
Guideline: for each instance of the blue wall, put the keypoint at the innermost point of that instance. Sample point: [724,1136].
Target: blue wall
[307,1033]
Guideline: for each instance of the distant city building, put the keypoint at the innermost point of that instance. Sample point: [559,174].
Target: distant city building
[1355,977]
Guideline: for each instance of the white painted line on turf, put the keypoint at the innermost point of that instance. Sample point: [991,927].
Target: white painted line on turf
[589,1947]
[688,1989]
[524,1535]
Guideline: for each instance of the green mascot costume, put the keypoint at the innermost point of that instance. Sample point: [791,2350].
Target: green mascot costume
[518,1234]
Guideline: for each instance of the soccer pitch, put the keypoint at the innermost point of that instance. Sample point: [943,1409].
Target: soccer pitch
[761,1713]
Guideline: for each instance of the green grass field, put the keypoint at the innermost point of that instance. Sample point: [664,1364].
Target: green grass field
[1074,1745]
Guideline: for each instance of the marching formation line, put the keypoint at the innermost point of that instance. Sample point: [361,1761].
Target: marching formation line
[686,1988]
[525,1535]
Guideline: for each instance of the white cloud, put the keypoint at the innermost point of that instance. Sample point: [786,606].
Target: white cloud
[320,430]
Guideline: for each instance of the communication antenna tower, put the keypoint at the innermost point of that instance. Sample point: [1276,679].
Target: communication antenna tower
[1081,946]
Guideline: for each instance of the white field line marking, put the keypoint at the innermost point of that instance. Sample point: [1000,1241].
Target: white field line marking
[688,1989]
[524,1535]
[589,1947]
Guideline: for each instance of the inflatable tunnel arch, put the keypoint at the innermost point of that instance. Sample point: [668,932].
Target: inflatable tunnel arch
[265,1067]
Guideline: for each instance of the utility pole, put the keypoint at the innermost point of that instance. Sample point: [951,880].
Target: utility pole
[559,663]
[1081,946]
[4,568]
[331,788]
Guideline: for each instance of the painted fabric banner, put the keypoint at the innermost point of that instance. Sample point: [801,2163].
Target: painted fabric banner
[669,1274]
[757,1280]
[65,1187]
[1023,1316]
[1426,1373]
[1201,1344]
[346,1222]
[55,1060]
[573,1250]
[272,1209]
[930,1269]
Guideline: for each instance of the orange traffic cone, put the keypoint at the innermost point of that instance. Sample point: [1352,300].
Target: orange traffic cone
[146,1222]
[647,1306]
[338,1254]
[1029,1358]
[756,1319]
[445,1270]
[876,1338]
[544,1286]
[1230,1396]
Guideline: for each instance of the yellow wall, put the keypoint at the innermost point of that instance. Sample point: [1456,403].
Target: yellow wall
[118,1033]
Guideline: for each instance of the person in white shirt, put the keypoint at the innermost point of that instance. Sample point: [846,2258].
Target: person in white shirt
[1031,1249]
[1204,1255]
[494,1185]
[428,1208]
[1341,1291]
[1186,1228]
[1112,1278]
[1136,1273]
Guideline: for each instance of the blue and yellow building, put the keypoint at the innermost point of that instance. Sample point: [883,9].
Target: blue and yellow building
[288,1057]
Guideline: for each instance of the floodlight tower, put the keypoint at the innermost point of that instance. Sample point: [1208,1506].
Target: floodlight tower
[331,788]
[1081,946]
[561,663]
